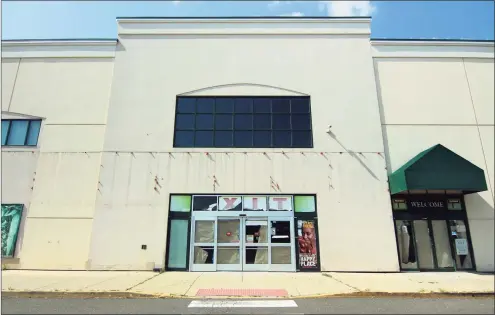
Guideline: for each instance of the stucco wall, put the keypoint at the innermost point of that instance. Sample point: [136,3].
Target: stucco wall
[426,101]
[57,180]
[336,71]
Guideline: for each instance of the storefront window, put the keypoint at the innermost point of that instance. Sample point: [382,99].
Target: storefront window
[255,203]
[399,204]
[205,203]
[405,241]
[178,243]
[281,255]
[228,255]
[461,245]
[454,204]
[204,231]
[230,203]
[423,244]
[280,203]
[442,244]
[257,255]
[203,254]
[304,204]
[180,203]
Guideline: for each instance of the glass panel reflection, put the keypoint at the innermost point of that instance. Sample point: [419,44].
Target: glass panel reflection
[442,244]
[228,231]
[460,242]
[280,232]
[256,255]
[228,255]
[203,254]
[423,244]
[256,231]
[204,231]
[281,255]
[405,240]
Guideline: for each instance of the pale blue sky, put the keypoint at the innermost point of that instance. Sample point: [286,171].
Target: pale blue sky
[391,19]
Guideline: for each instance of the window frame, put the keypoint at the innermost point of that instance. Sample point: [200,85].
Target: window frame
[292,131]
[9,129]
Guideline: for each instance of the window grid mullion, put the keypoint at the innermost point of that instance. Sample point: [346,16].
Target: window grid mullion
[8,132]
[253,114]
[27,132]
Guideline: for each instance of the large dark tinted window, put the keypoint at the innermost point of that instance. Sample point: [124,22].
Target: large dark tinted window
[243,122]
[20,132]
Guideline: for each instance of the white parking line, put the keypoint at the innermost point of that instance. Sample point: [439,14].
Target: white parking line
[245,304]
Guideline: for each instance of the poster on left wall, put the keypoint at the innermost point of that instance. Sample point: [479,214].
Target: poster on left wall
[11,221]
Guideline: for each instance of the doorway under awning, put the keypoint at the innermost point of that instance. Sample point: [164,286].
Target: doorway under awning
[438,168]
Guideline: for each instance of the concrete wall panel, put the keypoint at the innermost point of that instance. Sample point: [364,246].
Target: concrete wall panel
[424,91]
[72,138]
[64,90]
[65,185]
[9,72]
[55,244]
[480,75]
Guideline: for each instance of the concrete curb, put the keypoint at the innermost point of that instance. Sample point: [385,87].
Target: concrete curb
[136,295]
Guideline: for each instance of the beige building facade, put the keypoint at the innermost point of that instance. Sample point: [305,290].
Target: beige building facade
[290,144]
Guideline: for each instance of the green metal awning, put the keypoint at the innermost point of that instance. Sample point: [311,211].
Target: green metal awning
[438,168]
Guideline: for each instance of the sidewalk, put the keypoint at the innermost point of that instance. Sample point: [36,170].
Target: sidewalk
[191,284]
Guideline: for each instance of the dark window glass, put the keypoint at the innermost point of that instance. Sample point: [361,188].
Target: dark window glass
[262,105]
[203,139]
[262,139]
[300,105]
[244,105]
[262,121]
[281,139]
[301,122]
[184,121]
[301,139]
[205,203]
[281,121]
[18,132]
[281,106]
[223,122]
[243,122]
[33,133]
[205,105]
[184,139]
[186,105]
[243,139]
[223,139]
[224,105]
[5,129]
[204,121]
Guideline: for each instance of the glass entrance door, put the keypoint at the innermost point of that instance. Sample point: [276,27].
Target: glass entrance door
[229,244]
[424,245]
[282,245]
[242,244]
[204,247]
[256,244]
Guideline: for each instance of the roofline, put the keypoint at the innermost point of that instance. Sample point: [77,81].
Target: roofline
[59,41]
[433,40]
[241,20]
[385,41]
[61,48]
[241,17]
